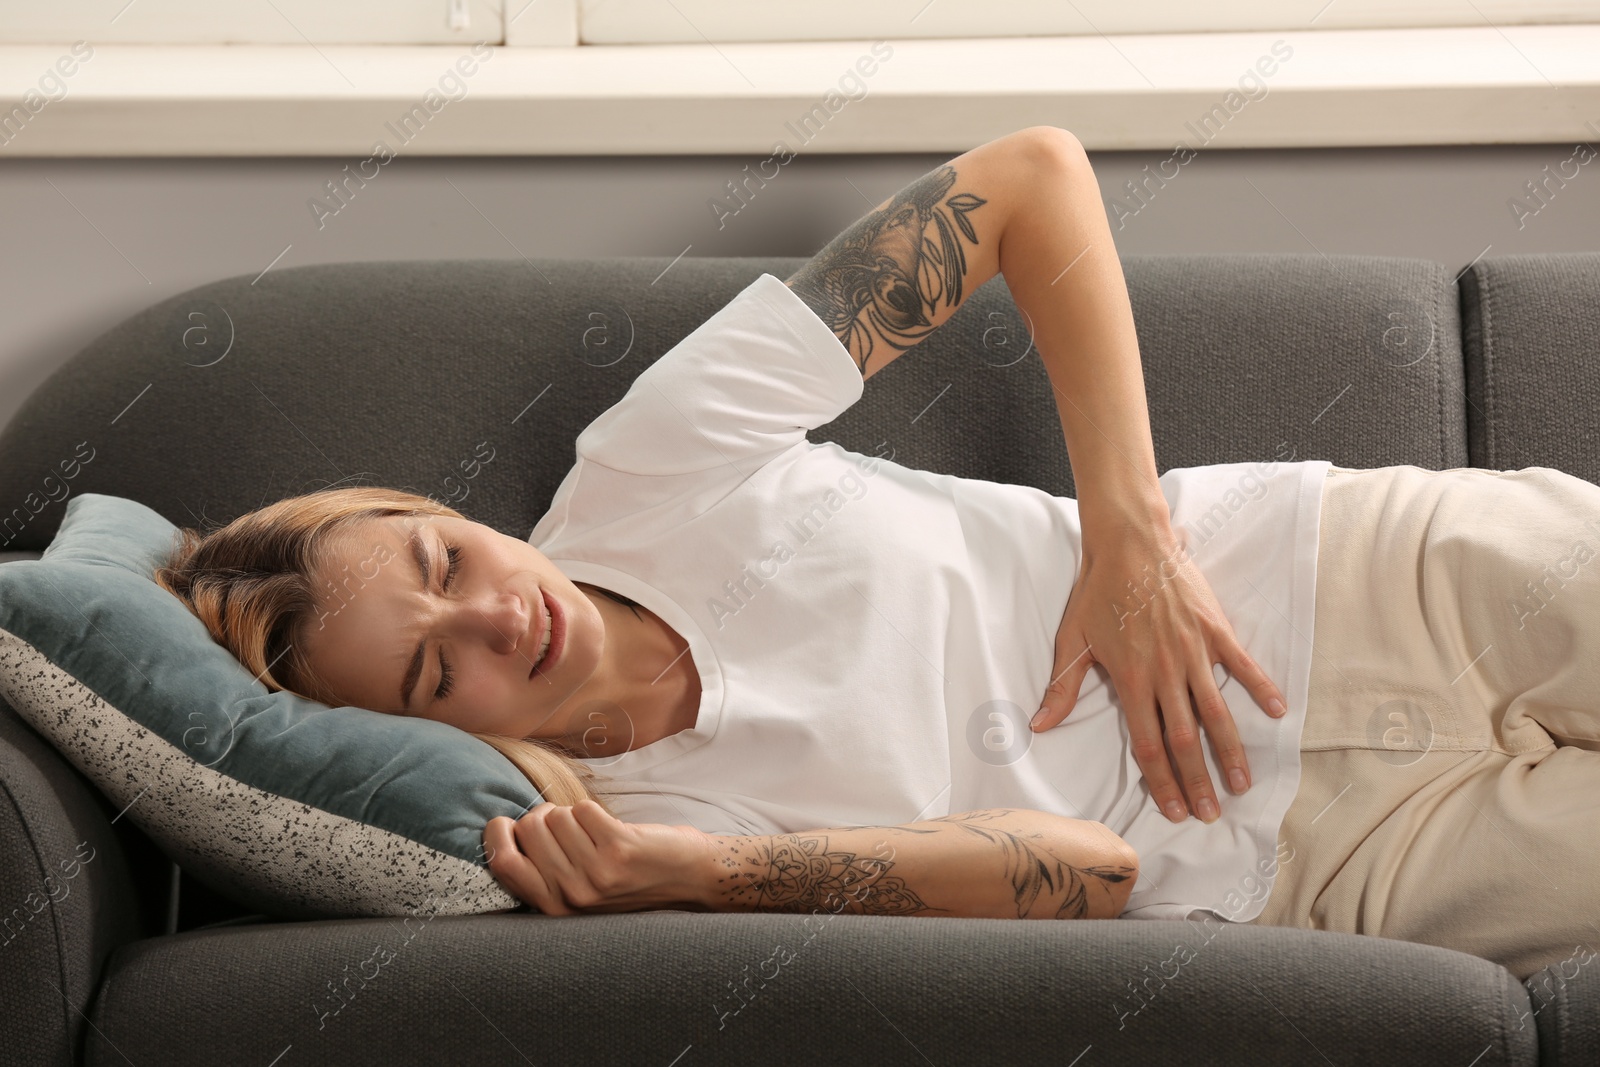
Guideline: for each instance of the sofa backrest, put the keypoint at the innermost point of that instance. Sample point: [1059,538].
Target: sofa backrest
[246,390]
[1531,344]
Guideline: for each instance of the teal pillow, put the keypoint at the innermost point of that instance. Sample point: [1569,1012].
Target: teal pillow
[291,807]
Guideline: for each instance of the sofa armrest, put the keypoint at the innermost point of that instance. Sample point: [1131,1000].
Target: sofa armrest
[66,896]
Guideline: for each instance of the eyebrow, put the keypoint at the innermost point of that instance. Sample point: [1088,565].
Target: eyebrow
[414,669]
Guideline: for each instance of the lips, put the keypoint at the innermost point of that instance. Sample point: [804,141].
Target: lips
[536,638]
[557,635]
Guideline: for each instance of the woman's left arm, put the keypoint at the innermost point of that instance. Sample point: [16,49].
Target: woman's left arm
[1139,606]
[1028,206]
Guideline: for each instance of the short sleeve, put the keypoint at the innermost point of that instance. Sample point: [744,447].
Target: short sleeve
[742,388]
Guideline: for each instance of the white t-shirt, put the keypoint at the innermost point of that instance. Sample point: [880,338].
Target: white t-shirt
[872,639]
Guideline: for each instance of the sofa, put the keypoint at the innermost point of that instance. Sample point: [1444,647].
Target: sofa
[249,389]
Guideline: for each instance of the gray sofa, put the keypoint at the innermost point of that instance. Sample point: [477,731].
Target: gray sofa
[236,393]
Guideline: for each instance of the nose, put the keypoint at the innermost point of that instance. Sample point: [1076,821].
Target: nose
[500,619]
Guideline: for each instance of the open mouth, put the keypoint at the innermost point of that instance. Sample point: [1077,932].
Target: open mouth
[553,637]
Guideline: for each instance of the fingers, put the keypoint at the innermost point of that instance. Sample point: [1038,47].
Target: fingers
[1183,734]
[1242,666]
[1150,751]
[1066,682]
[572,836]
[544,858]
[1219,725]
[514,870]
[601,826]
[545,834]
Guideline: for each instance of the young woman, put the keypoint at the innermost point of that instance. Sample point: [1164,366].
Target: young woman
[723,636]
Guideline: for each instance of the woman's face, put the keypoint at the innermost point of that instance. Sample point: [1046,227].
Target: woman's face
[473,604]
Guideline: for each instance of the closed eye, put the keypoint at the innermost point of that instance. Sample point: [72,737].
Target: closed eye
[446,675]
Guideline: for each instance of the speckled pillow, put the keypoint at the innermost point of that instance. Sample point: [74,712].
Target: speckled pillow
[291,807]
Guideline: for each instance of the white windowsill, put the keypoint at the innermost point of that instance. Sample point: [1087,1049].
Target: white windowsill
[1489,85]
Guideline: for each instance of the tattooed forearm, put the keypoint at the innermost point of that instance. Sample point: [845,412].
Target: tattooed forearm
[801,873]
[995,863]
[887,278]
[1039,877]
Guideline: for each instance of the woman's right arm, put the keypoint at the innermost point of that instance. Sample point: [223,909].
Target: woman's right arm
[1001,863]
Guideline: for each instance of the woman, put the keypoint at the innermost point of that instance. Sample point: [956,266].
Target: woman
[732,636]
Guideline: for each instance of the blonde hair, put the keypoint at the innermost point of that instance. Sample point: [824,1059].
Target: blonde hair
[253,584]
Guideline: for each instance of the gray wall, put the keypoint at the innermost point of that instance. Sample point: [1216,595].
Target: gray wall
[89,241]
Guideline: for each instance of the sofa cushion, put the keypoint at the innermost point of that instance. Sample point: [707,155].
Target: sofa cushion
[297,809]
[674,987]
[1564,1004]
[1529,324]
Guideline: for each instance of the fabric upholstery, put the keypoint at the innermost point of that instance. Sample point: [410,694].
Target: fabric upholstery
[818,989]
[1530,325]
[393,372]
[66,898]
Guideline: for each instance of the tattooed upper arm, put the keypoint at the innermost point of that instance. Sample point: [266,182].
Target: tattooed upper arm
[897,273]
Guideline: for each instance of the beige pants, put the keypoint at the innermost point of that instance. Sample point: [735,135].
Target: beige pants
[1450,782]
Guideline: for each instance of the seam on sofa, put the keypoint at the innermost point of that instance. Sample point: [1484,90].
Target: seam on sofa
[1464,321]
[102,993]
[1469,299]
[1508,983]
[1511,989]
[1491,453]
[1561,1019]
[1559,1031]
[55,918]
[1438,380]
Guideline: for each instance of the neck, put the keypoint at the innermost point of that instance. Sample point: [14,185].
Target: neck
[645,687]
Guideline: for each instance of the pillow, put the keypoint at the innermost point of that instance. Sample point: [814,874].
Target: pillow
[291,807]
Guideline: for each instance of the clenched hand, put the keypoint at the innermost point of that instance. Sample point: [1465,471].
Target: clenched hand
[565,860]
